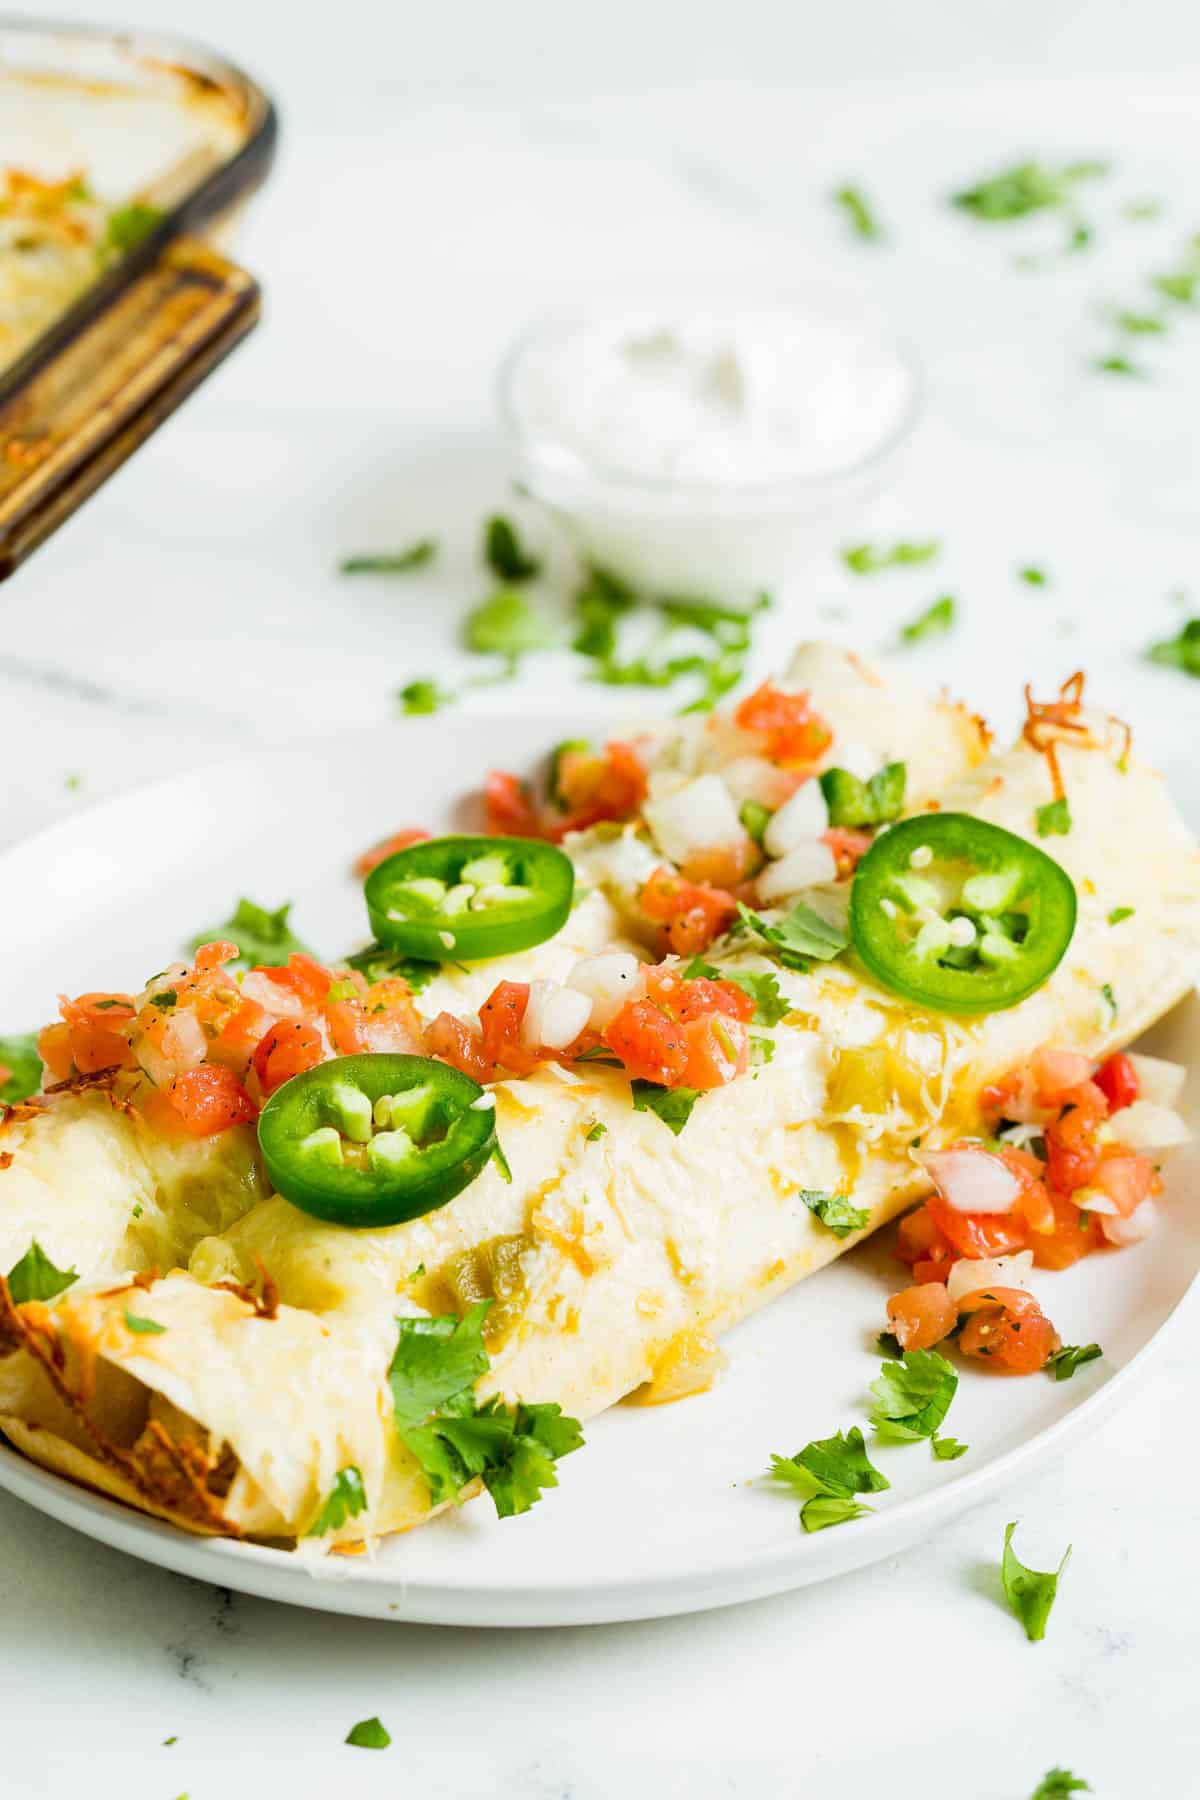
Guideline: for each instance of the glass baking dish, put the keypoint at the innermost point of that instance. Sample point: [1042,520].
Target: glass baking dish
[126,155]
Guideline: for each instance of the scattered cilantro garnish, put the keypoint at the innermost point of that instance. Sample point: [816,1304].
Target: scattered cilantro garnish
[603,599]
[1110,999]
[875,802]
[1025,188]
[828,1473]
[504,553]
[36,1278]
[935,620]
[599,602]
[143,1327]
[1033,576]
[762,1050]
[378,962]
[869,559]
[369,1734]
[345,1500]
[802,936]
[1138,210]
[502,1164]
[73,783]
[1139,324]
[1063,1364]
[19,1056]
[1115,365]
[391,562]
[1180,286]
[164,1000]
[912,1396]
[862,219]
[424,696]
[769,1004]
[1118,913]
[1054,819]
[835,1211]
[1059,1784]
[824,1510]
[889,1344]
[1181,651]
[1030,1594]
[263,938]
[948,1449]
[673,1105]
[596,1132]
[507,624]
[128,225]
[456,1439]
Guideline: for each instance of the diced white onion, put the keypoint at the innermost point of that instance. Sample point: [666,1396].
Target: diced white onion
[967,1275]
[754,778]
[1145,1125]
[804,817]
[801,868]
[183,1040]
[700,816]
[625,863]
[973,1181]
[283,1002]
[554,1017]
[1094,1200]
[607,981]
[1158,1080]
[1132,1230]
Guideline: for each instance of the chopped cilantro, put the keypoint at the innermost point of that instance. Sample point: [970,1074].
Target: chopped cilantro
[875,802]
[164,1000]
[599,602]
[1059,1784]
[912,1396]
[596,1132]
[1180,286]
[854,204]
[869,559]
[1033,576]
[802,936]
[507,624]
[948,1449]
[769,1004]
[416,1274]
[36,1278]
[504,553]
[20,1068]
[502,1164]
[1110,999]
[935,620]
[1118,913]
[824,1510]
[424,696]
[1115,365]
[72,783]
[673,1105]
[369,1734]
[1025,188]
[167,1742]
[835,1211]
[128,225]
[345,1500]
[1138,210]
[143,1327]
[762,1050]
[1029,1593]
[1054,819]
[391,562]
[263,938]
[378,962]
[836,1465]
[1181,651]
[454,1438]
[889,1344]
[1139,324]
[1063,1364]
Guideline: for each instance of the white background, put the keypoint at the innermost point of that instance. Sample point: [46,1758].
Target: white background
[445,173]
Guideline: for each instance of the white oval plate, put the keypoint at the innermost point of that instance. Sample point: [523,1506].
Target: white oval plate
[655,1516]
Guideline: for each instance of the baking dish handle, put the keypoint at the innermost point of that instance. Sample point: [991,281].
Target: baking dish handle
[80,415]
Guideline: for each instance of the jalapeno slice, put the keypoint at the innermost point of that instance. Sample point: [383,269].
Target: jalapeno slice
[959,915]
[460,899]
[370,1141]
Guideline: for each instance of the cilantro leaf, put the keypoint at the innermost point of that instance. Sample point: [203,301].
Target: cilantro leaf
[1025,188]
[862,220]
[673,1105]
[596,1132]
[1029,1593]
[128,225]
[1063,1364]
[345,1500]
[875,802]
[369,1734]
[1059,1784]
[1115,365]
[802,936]
[423,696]
[769,1004]
[539,1436]
[507,624]
[1180,286]
[1054,819]
[1109,998]
[889,1344]
[869,559]
[935,620]
[436,1362]
[1139,324]
[36,1278]
[143,1327]
[599,602]
[841,1464]
[379,962]
[1118,913]
[504,553]
[835,1212]
[263,938]
[824,1510]
[1180,652]
[948,1449]
[20,1068]
[912,1396]
[391,562]
[1033,577]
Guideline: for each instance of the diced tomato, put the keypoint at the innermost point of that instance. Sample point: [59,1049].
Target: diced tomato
[926,1249]
[723,866]
[241,1033]
[1126,1179]
[650,1043]
[5,1073]
[718,1050]
[510,807]
[388,846]
[593,789]
[795,735]
[1034,1204]
[1071,1150]
[922,1316]
[215,955]
[93,1022]
[692,915]
[1007,1329]
[1118,1082]
[693,998]
[848,846]
[1075,1235]
[1057,1073]
[288,1049]
[500,1018]
[305,976]
[452,1041]
[54,1048]
[978,1234]
[209,1099]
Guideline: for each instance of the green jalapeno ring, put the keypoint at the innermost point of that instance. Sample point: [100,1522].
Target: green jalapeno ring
[463,899]
[371,1141]
[1020,903]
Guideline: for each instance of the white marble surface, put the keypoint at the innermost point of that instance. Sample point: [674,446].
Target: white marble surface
[191,610]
